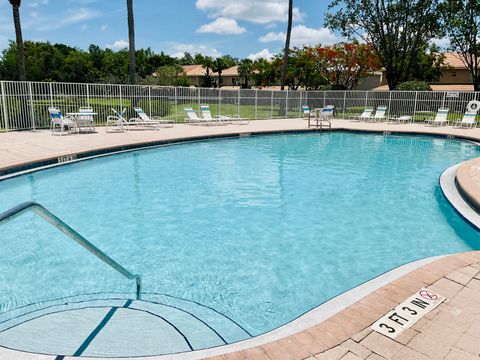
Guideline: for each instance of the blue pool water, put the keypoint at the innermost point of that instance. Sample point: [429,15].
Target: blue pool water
[261,229]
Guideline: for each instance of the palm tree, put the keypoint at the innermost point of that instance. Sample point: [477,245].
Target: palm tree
[131,41]
[207,64]
[245,70]
[218,65]
[22,75]
[287,43]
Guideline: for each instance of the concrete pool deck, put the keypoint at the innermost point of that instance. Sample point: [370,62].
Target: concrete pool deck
[451,331]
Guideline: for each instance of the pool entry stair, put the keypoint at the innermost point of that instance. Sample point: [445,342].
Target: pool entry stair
[114,327]
[111,324]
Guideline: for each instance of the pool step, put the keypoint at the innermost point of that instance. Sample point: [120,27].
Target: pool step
[157,325]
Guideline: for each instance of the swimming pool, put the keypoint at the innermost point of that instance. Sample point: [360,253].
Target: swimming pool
[261,229]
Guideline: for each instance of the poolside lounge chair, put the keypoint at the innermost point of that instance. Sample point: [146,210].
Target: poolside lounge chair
[440,119]
[222,119]
[328,111]
[469,120]
[117,123]
[305,111]
[57,120]
[145,121]
[85,121]
[193,119]
[379,114]
[366,114]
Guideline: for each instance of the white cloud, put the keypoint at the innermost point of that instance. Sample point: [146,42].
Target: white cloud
[222,26]
[256,11]
[263,54]
[118,45]
[179,49]
[104,27]
[302,35]
[74,16]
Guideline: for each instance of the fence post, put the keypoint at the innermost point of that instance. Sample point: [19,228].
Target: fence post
[300,105]
[344,102]
[198,97]
[366,99]
[176,103]
[286,104]
[219,112]
[389,105]
[271,106]
[88,95]
[30,95]
[120,94]
[443,100]
[4,102]
[256,104]
[51,94]
[415,106]
[150,100]
[238,109]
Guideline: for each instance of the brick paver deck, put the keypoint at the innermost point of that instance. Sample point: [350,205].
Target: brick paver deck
[452,331]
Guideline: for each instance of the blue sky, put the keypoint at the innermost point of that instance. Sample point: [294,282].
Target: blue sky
[240,28]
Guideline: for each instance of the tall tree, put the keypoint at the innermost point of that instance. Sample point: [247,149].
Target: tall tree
[397,30]
[220,64]
[132,78]
[245,71]
[344,65]
[22,75]
[462,23]
[287,44]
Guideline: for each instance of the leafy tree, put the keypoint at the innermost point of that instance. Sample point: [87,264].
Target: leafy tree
[207,64]
[397,30]
[462,23]
[22,75]
[287,44]
[264,73]
[220,64]
[187,59]
[132,78]
[344,64]
[429,65]
[245,71]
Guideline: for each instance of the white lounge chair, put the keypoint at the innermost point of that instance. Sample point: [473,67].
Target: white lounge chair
[305,111]
[440,119]
[222,119]
[85,121]
[118,122]
[380,114]
[469,120]
[58,121]
[328,111]
[366,114]
[145,121]
[193,119]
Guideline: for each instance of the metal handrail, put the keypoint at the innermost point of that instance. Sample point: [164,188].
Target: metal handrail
[72,234]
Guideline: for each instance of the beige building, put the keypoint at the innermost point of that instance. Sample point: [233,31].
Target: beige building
[455,76]
[196,74]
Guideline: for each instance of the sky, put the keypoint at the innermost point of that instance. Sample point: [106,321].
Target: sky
[241,28]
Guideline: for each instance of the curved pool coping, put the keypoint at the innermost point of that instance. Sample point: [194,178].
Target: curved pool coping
[421,272]
[467,177]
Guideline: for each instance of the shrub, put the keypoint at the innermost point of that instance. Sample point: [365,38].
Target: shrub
[414,86]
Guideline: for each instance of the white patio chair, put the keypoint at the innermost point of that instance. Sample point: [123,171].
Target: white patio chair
[366,114]
[328,111]
[440,119]
[222,119]
[380,114]
[117,123]
[58,121]
[305,111]
[145,121]
[193,119]
[85,121]
[469,120]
